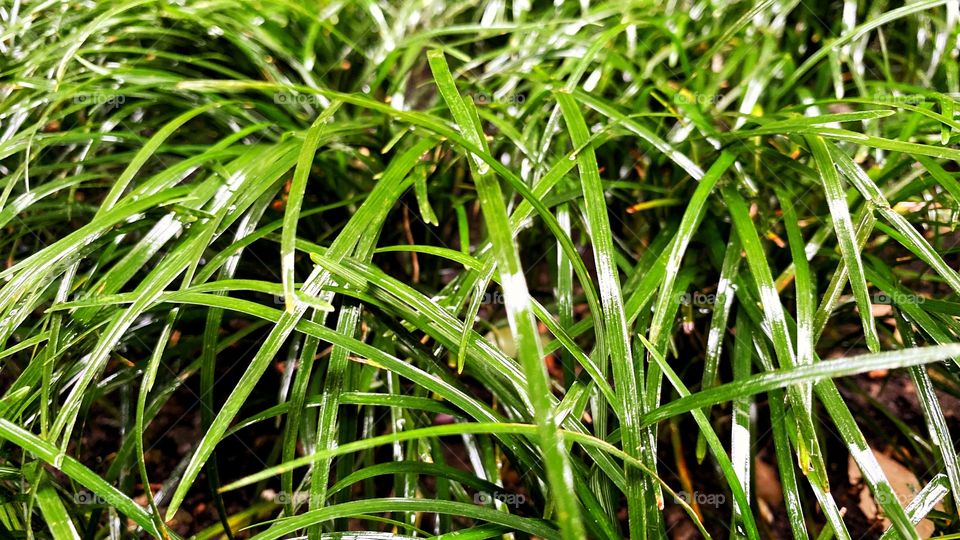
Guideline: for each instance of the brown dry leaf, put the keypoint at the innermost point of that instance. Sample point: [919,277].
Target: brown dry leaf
[904,483]
[769,490]
[768,483]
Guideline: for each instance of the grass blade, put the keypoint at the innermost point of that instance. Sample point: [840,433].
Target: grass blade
[518,310]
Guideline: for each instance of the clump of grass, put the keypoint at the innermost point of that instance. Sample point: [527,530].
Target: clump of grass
[479,269]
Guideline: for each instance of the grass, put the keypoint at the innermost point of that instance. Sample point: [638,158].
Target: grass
[418,269]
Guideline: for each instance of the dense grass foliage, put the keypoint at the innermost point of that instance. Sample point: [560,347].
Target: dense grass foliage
[556,270]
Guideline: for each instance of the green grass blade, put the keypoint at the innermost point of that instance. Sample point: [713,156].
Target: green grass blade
[518,310]
[608,283]
[846,237]
[812,373]
[291,212]
[72,468]
[55,514]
